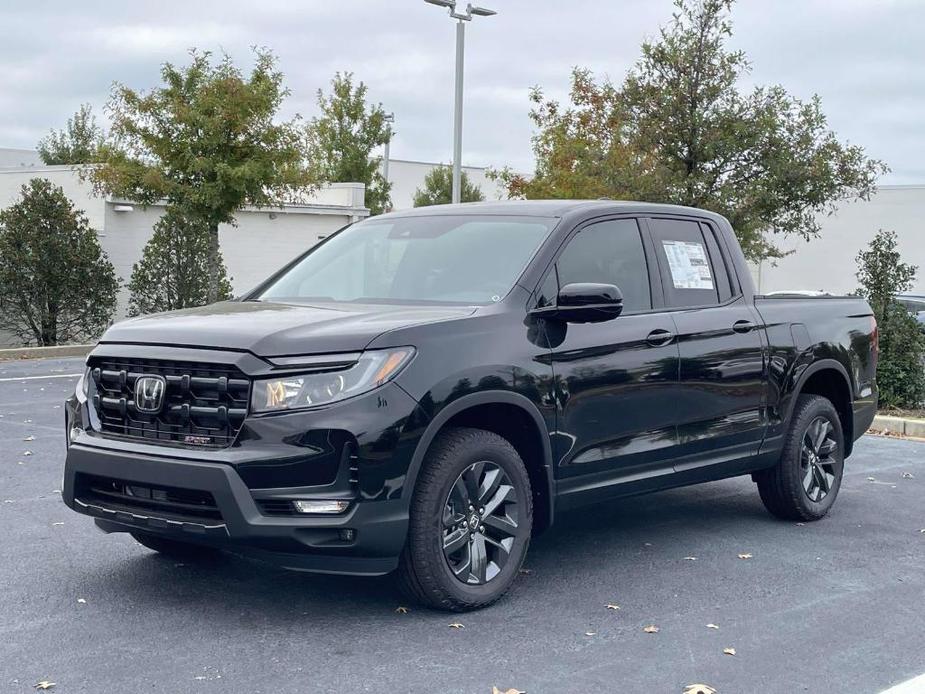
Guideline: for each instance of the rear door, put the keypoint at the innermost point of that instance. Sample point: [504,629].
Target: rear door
[721,402]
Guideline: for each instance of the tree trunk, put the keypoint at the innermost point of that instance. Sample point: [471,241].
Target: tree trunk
[213,264]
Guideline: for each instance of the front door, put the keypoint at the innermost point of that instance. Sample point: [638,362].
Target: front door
[614,380]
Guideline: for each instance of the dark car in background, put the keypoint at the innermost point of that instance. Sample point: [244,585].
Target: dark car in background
[424,391]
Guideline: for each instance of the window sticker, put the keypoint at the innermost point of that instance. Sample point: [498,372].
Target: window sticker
[689,266]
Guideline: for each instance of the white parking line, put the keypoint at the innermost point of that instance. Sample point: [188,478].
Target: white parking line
[37,378]
[914,686]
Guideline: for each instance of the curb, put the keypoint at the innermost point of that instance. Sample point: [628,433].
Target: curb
[45,352]
[899,426]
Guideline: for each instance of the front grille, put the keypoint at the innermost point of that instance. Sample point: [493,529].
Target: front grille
[203,404]
[169,503]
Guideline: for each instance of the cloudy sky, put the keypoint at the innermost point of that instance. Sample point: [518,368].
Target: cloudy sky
[865,58]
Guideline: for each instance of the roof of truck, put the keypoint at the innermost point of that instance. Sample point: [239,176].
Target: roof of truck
[543,208]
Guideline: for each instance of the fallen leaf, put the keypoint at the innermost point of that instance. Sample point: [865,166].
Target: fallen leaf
[712,626]
[699,689]
[800,525]
[651,629]
[58,523]
[729,651]
[590,633]
[401,609]
[495,690]
[27,452]
[457,625]
[81,601]
[745,555]
[44,684]
[691,558]
[29,438]
[611,606]
[908,476]
[871,479]
[646,544]
[10,501]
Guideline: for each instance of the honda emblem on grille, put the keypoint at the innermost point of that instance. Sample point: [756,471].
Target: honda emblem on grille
[149,394]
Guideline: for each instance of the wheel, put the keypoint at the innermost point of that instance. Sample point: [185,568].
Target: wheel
[175,549]
[470,521]
[804,484]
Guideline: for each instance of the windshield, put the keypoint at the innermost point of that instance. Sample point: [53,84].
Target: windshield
[447,259]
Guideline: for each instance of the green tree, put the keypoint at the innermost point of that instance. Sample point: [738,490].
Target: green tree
[679,129]
[438,188]
[78,143]
[901,369]
[342,139]
[205,141]
[56,283]
[173,270]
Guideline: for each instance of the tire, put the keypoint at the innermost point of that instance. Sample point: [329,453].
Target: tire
[174,549]
[804,484]
[484,552]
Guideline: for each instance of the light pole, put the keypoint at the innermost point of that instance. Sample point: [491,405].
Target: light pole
[461,19]
[390,119]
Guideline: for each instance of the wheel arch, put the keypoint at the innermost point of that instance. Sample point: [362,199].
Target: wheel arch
[829,379]
[511,416]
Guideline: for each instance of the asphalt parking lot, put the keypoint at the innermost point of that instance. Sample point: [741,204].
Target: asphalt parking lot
[833,606]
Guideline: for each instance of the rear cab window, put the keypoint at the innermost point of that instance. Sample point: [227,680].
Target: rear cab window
[692,268]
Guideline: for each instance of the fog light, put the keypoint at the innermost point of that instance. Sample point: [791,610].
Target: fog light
[347,534]
[74,433]
[328,506]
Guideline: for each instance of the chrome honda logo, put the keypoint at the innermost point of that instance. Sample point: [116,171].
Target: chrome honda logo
[149,394]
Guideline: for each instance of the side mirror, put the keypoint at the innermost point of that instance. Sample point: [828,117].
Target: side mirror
[585,302]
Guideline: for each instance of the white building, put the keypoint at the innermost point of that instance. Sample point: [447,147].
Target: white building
[828,263]
[407,176]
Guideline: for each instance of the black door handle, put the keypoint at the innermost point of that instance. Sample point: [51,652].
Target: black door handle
[743,326]
[659,338]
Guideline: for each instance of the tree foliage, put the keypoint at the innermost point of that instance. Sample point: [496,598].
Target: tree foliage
[342,139]
[901,369]
[438,188]
[679,129]
[78,143]
[173,271]
[56,283]
[205,141]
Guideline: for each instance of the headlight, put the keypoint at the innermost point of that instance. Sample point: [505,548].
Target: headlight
[297,391]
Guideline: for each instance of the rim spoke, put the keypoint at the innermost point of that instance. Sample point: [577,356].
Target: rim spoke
[504,493]
[827,449]
[454,541]
[822,430]
[461,570]
[479,556]
[808,478]
[471,477]
[503,524]
[490,484]
[460,492]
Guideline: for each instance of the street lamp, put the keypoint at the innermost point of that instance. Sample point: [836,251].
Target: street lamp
[462,18]
[390,119]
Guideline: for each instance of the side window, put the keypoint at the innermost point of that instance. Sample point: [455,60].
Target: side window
[609,252]
[688,276]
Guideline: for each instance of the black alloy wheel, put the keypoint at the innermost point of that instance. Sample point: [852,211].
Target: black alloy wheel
[480,522]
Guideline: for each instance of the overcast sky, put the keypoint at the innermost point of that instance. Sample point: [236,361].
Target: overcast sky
[865,58]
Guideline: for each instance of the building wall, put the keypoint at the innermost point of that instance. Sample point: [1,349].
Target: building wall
[18,157]
[828,262]
[260,243]
[407,176]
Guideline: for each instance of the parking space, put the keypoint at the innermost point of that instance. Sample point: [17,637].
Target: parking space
[831,606]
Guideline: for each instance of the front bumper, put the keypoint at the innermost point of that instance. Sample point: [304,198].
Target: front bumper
[304,543]
[357,450]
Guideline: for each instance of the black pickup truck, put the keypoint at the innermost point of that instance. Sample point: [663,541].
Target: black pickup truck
[423,391]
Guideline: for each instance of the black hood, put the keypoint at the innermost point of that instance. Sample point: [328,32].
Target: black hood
[269,329]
